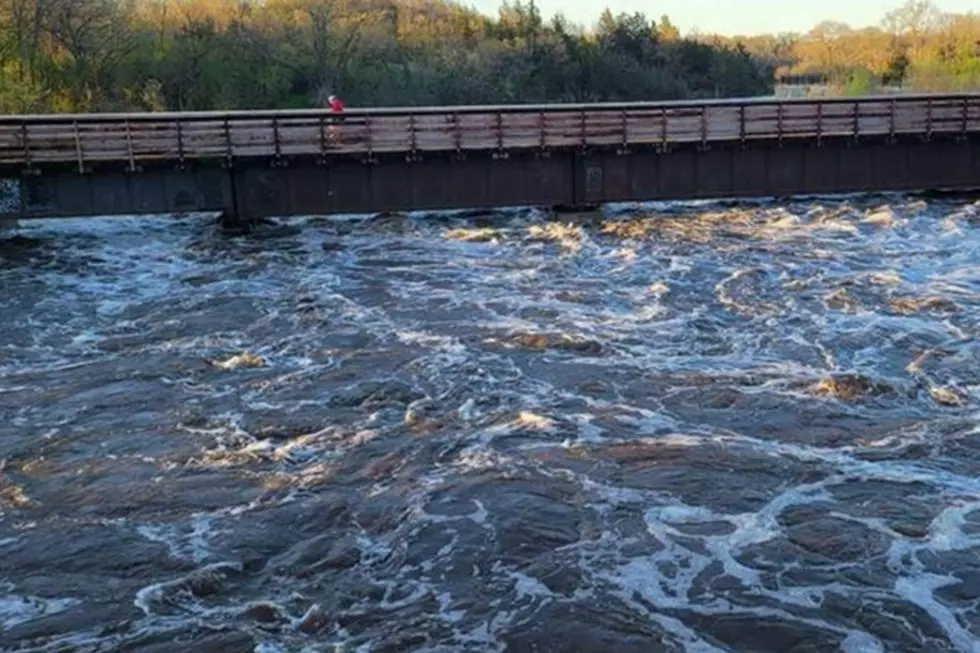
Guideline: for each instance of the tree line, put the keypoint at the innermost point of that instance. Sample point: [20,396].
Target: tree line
[110,55]
[139,55]
[916,47]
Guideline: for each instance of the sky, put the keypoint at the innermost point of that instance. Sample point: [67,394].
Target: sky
[731,17]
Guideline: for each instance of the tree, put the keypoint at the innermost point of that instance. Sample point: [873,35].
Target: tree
[666,30]
[60,55]
[91,39]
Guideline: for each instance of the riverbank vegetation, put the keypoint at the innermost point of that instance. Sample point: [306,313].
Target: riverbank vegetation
[916,47]
[112,55]
[96,55]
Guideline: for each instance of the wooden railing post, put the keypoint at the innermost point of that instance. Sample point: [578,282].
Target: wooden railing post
[229,151]
[966,118]
[583,135]
[779,124]
[856,118]
[129,147]
[892,108]
[741,124]
[26,142]
[499,125]
[369,139]
[180,144]
[703,145]
[412,138]
[276,140]
[457,135]
[928,120]
[624,128]
[819,124]
[321,124]
[542,135]
[78,148]
[663,130]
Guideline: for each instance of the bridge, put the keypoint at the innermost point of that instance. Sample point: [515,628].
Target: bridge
[254,164]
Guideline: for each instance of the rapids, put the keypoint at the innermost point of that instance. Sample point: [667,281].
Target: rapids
[688,427]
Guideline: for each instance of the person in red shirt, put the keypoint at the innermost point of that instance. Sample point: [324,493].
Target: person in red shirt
[336,106]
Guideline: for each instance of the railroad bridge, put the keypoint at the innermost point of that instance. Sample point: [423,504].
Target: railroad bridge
[254,164]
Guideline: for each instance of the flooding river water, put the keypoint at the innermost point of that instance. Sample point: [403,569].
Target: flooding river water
[702,427]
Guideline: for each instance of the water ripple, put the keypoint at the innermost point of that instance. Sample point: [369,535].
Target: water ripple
[680,427]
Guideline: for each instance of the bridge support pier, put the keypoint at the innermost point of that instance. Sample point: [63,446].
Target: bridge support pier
[559,209]
[233,222]
[577,213]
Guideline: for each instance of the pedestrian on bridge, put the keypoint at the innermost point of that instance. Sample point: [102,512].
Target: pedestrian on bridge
[336,106]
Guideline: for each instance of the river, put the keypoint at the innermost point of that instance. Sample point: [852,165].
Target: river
[688,427]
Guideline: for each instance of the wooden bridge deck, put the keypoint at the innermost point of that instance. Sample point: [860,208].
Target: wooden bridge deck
[138,138]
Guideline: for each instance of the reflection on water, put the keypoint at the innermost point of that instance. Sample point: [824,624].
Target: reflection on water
[686,428]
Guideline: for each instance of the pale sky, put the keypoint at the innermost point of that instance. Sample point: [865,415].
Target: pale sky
[736,16]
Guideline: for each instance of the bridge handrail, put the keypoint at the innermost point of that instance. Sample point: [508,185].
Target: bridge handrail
[239,114]
[134,139]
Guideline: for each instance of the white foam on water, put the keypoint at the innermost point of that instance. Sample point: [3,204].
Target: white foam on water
[193,546]
[18,609]
[381,287]
[946,530]
[858,642]
[179,592]
[529,587]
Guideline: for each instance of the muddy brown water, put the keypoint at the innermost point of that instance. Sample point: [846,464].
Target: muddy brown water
[699,427]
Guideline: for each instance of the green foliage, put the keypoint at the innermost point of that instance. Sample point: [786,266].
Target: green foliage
[861,82]
[17,93]
[108,55]
[934,76]
[917,47]
[98,55]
